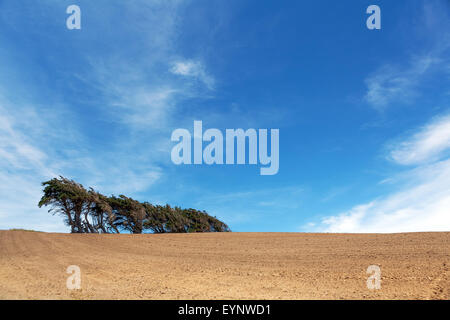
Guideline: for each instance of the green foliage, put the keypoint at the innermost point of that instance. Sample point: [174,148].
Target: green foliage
[161,219]
[69,199]
[87,211]
[129,213]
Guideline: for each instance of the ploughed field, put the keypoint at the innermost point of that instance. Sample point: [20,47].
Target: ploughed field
[33,265]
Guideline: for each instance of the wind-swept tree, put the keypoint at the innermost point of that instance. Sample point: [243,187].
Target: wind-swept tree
[103,218]
[69,199]
[129,213]
[217,225]
[201,221]
[88,211]
[155,218]
[160,219]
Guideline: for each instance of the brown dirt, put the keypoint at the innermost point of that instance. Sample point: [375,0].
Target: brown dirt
[224,266]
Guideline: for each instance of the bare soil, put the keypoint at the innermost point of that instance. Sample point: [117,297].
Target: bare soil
[224,265]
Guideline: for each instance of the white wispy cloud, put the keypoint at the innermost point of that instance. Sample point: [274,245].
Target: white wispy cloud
[193,69]
[421,197]
[400,83]
[422,200]
[43,135]
[393,84]
[424,207]
[25,163]
[429,143]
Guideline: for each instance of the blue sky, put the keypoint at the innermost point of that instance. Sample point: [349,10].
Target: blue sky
[363,114]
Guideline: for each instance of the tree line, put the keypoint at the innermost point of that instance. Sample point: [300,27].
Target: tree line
[88,211]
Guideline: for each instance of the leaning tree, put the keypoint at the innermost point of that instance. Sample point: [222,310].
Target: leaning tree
[88,211]
[129,213]
[69,199]
[84,211]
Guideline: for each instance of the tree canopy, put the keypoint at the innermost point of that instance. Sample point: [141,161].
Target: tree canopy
[88,211]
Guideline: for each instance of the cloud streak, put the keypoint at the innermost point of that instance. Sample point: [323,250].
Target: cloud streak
[422,201]
[393,84]
[193,69]
[120,146]
[390,84]
[428,144]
